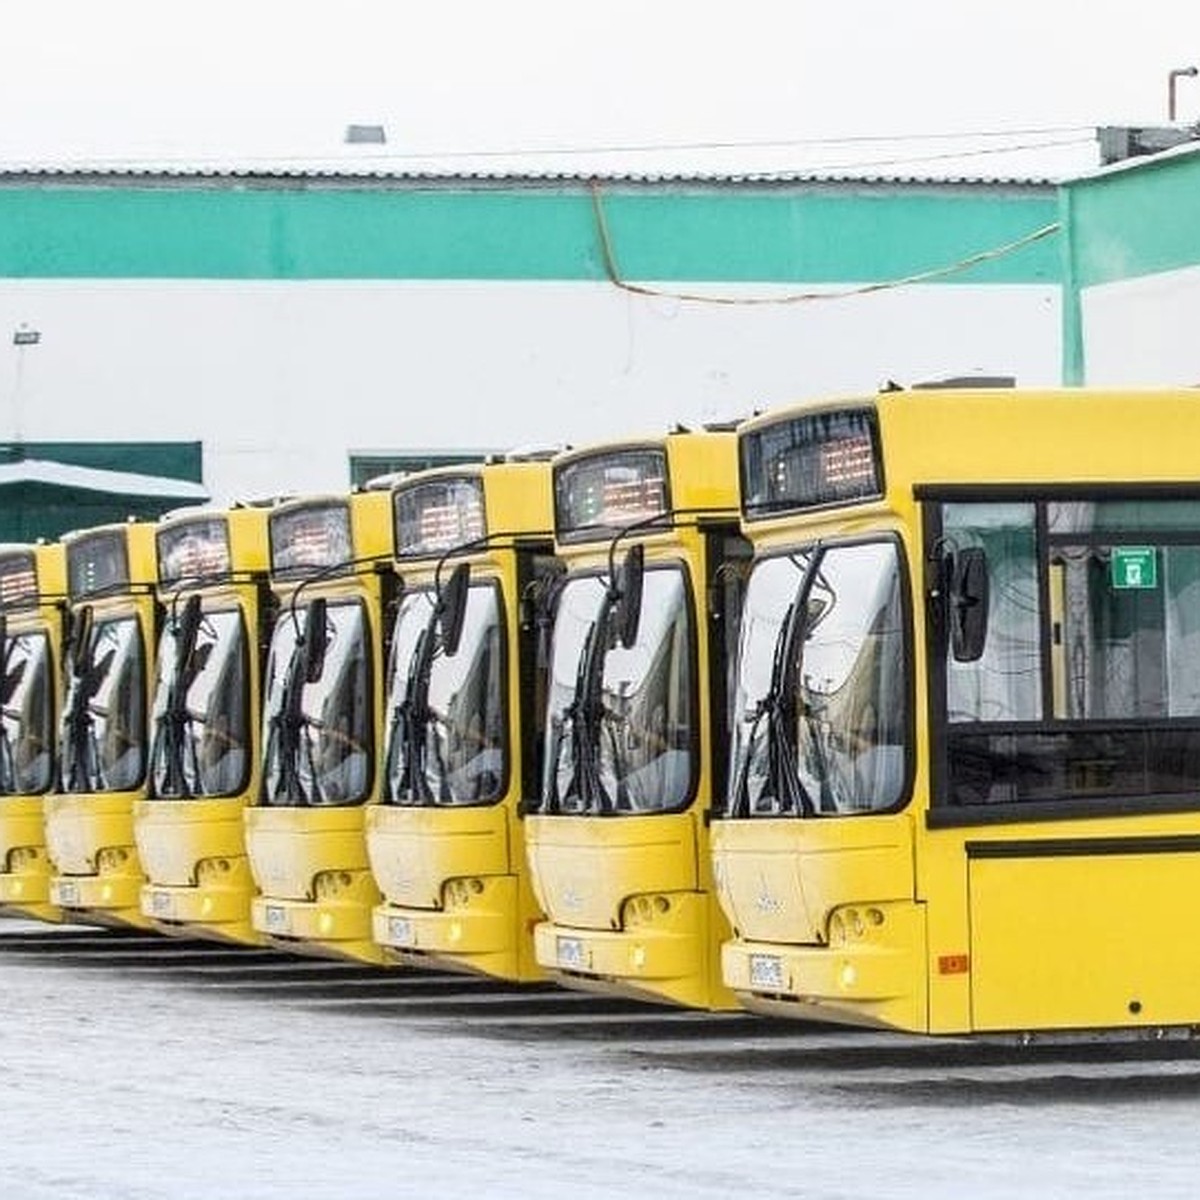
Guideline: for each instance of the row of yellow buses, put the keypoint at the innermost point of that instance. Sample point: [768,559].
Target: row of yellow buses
[881,710]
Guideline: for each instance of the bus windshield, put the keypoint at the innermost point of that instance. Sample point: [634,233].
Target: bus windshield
[820,699]
[446,734]
[201,716]
[26,716]
[318,736]
[621,733]
[104,717]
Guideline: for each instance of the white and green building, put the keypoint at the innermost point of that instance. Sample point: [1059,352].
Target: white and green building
[1131,271]
[301,325]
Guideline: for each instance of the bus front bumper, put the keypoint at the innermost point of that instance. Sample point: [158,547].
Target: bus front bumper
[341,928]
[108,897]
[874,983]
[476,930]
[663,956]
[213,911]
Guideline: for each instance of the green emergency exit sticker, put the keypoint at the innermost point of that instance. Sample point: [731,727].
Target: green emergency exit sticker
[1134,567]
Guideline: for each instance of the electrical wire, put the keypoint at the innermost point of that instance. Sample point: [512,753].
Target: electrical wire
[614,275]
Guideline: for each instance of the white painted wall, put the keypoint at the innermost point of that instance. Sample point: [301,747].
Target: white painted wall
[281,380]
[1139,331]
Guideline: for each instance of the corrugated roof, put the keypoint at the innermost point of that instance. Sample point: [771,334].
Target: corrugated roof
[341,173]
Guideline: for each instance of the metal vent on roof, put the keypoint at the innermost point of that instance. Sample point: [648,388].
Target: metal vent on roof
[365,135]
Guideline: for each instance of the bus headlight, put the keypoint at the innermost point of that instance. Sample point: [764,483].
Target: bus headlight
[458,893]
[328,885]
[111,859]
[644,910]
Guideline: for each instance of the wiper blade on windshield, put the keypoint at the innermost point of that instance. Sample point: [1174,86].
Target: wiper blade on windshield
[84,772]
[781,712]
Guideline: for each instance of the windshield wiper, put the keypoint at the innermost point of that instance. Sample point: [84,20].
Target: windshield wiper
[84,771]
[780,710]
[289,727]
[587,715]
[9,682]
[411,719]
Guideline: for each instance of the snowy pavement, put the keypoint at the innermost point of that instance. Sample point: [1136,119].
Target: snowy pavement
[145,1070]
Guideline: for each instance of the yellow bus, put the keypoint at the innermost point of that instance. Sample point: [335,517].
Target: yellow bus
[322,700]
[33,604]
[643,630]
[103,743]
[204,760]
[965,783]
[447,844]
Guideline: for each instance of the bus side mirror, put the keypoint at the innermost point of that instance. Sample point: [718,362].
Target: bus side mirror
[316,640]
[81,637]
[452,607]
[968,603]
[629,595]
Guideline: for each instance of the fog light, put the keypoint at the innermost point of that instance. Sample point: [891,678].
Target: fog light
[111,858]
[847,976]
[455,932]
[206,906]
[637,956]
[106,894]
[325,923]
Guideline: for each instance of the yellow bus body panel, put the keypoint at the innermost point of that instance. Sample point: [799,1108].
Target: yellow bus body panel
[98,875]
[25,879]
[97,871]
[629,901]
[825,923]
[454,880]
[25,866]
[314,879]
[193,851]
[198,874]
[310,865]
[1019,926]
[450,893]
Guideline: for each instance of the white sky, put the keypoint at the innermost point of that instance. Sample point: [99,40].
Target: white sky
[139,79]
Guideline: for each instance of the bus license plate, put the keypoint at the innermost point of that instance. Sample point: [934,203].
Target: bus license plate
[400,931]
[277,921]
[68,892]
[766,972]
[161,904]
[571,953]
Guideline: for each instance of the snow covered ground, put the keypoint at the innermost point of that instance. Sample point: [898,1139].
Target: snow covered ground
[144,1070]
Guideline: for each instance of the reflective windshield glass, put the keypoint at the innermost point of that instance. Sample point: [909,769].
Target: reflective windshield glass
[201,717]
[446,733]
[621,735]
[27,721]
[318,735]
[104,718]
[821,691]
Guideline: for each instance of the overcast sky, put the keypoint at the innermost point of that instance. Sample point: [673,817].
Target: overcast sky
[155,79]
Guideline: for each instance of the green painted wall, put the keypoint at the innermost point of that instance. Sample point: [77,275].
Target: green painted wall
[1136,221]
[33,510]
[736,233]
[171,460]
[1120,224]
